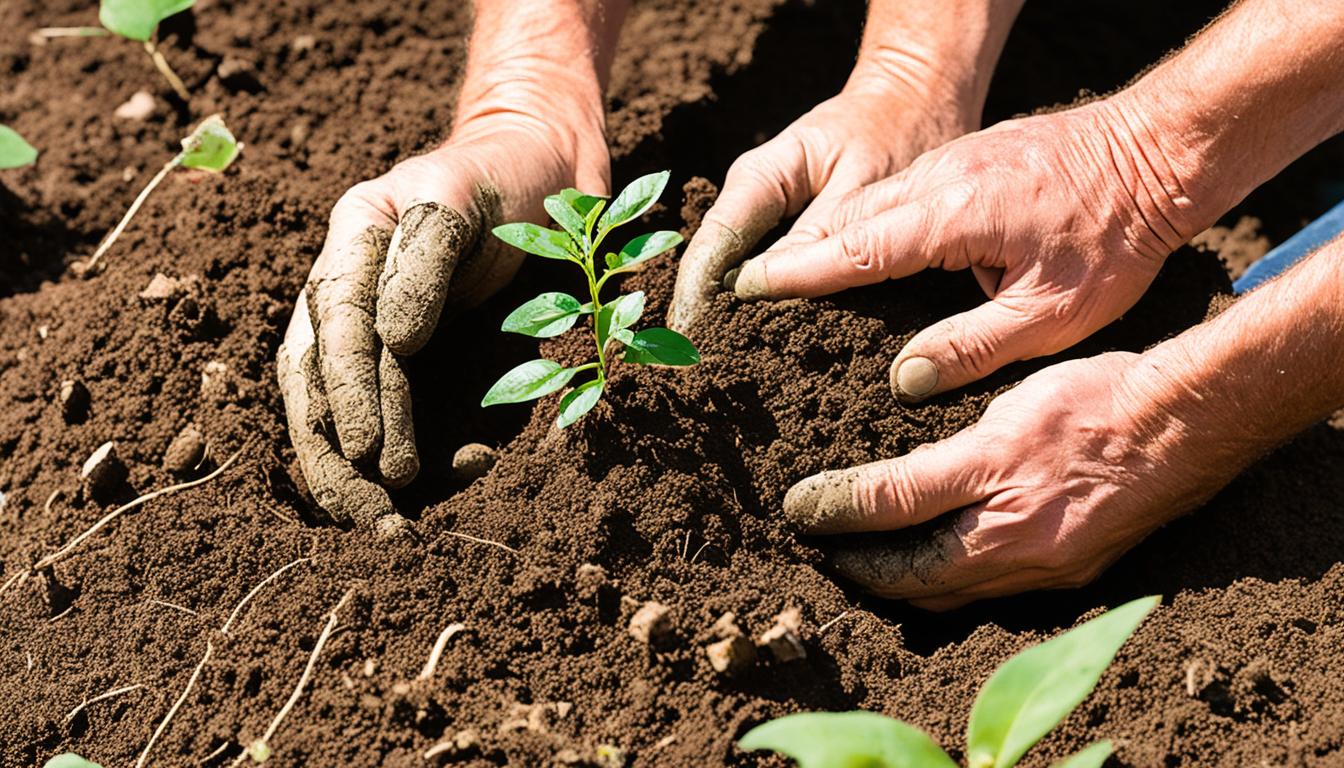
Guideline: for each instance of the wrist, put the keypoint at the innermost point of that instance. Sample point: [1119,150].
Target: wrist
[895,81]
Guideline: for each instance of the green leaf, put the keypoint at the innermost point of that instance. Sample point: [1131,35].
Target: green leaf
[634,200]
[621,312]
[660,346]
[578,401]
[536,240]
[533,379]
[211,146]
[624,335]
[847,740]
[14,151]
[550,314]
[1091,757]
[137,19]
[1038,687]
[591,218]
[643,248]
[70,760]
[584,204]
[565,215]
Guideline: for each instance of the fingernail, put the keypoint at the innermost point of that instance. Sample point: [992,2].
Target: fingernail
[750,282]
[730,279]
[815,503]
[913,378]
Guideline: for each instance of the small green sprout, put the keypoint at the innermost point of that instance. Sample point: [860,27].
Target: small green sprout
[259,751]
[14,151]
[70,760]
[211,147]
[136,20]
[1019,704]
[586,226]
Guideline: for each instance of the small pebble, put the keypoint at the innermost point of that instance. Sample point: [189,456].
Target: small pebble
[473,461]
[162,288]
[303,43]
[141,106]
[238,74]
[651,623]
[732,655]
[103,472]
[589,580]
[185,452]
[782,638]
[74,399]
[726,626]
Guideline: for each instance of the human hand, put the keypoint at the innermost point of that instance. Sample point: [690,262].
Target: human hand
[1066,219]
[872,129]
[1061,476]
[399,250]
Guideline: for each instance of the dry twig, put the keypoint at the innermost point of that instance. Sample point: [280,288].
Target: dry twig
[822,629]
[174,606]
[469,537]
[101,697]
[238,608]
[209,648]
[444,637]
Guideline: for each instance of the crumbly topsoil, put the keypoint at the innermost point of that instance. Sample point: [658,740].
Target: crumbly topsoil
[671,487]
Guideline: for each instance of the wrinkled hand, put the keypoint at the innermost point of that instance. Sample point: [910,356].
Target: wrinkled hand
[1062,475]
[1065,217]
[869,131]
[400,248]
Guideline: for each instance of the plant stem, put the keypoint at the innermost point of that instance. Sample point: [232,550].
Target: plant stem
[588,270]
[135,206]
[168,74]
[72,32]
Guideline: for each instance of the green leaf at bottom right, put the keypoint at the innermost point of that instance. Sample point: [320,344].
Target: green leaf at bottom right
[660,346]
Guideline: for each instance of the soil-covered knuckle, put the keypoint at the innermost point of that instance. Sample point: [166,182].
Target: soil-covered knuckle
[318,416]
[429,241]
[488,263]
[398,462]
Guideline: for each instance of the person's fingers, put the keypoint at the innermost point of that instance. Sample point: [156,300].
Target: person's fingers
[893,244]
[896,493]
[425,247]
[343,293]
[338,489]
[398,462]
[762,187]
[971,345]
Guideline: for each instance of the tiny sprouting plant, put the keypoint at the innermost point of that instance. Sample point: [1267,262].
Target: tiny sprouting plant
[70,760]
[136,20]
[1019,704]
[587,220]
[211,147]
[14,151]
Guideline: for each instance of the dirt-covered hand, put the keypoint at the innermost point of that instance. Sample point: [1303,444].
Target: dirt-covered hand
[868,132]
[1062,475]
[1065,218]
[399,250]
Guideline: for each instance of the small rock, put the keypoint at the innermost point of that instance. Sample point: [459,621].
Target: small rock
[74,399]
[370,666]
[726,626]
[162,288]
[782,638]
[651,623]
[129,172]
[238,74]
[589,580]
[141,106]
[568,756]
[732,655]
[217,382]
[303,43]
[298,133]
[185,452]
[473,461]
[103,472]
[43,331]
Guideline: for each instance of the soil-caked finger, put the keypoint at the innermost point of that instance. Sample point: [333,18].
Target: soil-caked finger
[343,297]
[425,248]
[398,462]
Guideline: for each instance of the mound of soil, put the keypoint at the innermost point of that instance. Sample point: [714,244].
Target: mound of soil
[668,491]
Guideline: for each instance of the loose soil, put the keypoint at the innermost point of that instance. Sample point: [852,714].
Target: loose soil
[672,486]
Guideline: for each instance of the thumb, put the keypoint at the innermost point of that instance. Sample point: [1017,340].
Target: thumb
[969,346]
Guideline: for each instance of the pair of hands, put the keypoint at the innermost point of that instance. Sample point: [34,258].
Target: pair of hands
[1063,219]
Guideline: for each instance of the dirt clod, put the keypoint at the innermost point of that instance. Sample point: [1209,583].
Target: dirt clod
[74,399]
[103,472]
[185,452]
[140,106]
[652,623]
[731,656]
[473,461]
[162,288]
[589,580]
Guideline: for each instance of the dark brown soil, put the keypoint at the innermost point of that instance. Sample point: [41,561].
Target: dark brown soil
[671,486]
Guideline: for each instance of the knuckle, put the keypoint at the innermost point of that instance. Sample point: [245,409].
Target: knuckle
[970,344]
[859,251]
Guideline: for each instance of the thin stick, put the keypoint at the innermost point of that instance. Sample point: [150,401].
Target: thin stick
[109,517]
[46,508]
[72,32]
[831,623]
[444,637]
[238,608]
[10,581]
[135,206]
[174,606]
[62,613]
[168,74]
[101,697]
[696,556]
[303,679]
[469,537]
[438,749]
[209,648]
[216,753]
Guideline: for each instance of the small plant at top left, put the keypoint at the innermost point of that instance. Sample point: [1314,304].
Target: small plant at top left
[14,151]
[211,147]
[136,20]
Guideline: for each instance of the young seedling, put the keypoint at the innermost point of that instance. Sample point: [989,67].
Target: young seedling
[210,147]
[587,220]
[70,760]
[1019,704]
[14,151]
[136,20]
